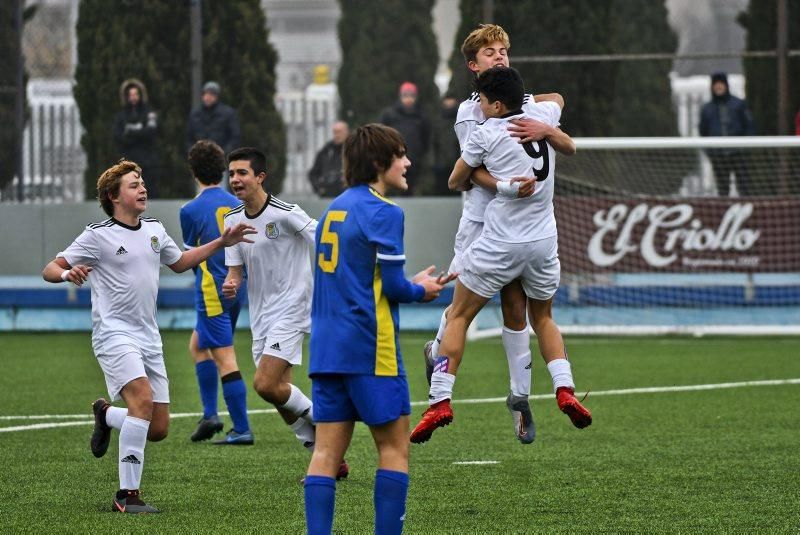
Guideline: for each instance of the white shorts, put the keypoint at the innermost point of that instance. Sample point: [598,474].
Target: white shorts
[286,346]
[127,362]
[468,232]
[489,265]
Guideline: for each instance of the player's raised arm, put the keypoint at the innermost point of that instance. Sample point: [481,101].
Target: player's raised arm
[530,130]
[550,97]
[231,236]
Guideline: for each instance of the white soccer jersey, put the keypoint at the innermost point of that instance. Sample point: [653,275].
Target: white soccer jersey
[125,265]
[469,116]
[516,220]
[279,278]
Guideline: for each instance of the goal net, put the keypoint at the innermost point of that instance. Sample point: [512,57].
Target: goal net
[676,235]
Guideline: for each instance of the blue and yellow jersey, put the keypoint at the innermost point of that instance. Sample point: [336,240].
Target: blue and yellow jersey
[354,327]
[202,222]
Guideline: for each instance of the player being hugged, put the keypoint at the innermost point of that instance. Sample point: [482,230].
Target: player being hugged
[121,257]
[519,241]
[355,365]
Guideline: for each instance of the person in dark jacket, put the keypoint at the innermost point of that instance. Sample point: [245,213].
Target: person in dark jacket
[327,176]
[135,128]
[407,118]
[727,115]
[214,121]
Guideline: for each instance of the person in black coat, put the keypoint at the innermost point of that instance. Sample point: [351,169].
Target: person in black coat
[406,117]
[726,115]
[214,121]
[134,131]
[327,176]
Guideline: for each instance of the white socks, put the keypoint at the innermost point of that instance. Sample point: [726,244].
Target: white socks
[439,336]
[115,416]
[441,387]
[518,352]
[132,439]
[561,372]
[305,433]
[298,404]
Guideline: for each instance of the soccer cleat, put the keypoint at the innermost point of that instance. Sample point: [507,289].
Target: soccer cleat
[426,352]
[236,439]
[524,426]
[128,501]
[101,434]
[344,471]
[437,415]
[569,405]
[206,428]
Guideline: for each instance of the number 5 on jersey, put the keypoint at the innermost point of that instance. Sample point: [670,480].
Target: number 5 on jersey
[328,265]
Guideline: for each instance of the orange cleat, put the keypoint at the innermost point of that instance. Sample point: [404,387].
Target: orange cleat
[437,415]
[568,404]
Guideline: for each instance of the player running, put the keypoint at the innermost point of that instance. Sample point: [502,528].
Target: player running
[121,257]
[519,241]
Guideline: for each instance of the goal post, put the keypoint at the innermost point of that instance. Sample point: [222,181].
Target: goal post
[676,236]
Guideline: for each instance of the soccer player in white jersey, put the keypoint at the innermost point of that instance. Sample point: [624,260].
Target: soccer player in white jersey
[519,241]
[279,288]
[485,47]
[121,257]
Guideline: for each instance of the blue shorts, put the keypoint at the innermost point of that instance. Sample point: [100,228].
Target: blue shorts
[217,331]
[369,398]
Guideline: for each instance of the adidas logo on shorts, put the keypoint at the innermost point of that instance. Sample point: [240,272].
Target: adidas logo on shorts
[276,346]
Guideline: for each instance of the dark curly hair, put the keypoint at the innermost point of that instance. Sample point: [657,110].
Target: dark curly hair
[207,160]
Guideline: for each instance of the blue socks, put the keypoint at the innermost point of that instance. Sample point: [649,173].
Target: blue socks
[206,371]
[235,394]
[320,493]
[391,489]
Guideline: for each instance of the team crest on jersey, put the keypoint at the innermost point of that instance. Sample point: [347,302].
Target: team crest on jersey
[272,230]
[154,244]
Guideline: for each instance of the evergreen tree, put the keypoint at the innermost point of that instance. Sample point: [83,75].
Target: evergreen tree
[384,44]
[761,75]
[149,40]
[10,139]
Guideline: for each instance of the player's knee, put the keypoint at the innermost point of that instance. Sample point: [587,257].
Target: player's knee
[265,388]
[157,433]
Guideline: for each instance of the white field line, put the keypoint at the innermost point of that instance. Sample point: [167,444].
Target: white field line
[476,462]
[81,418]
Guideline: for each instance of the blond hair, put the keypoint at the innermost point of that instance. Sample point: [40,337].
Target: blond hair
[110,181]
[483,35]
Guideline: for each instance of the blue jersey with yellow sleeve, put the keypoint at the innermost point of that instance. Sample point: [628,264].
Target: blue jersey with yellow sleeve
[202,222]
[354,327]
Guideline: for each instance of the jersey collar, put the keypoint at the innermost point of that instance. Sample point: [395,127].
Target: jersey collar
[266,203]
[511,114]
[123,225]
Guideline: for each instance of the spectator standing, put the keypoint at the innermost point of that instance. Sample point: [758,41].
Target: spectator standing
[135,128]
[726,115]
[214,121]
[406,117]
[445,145]
[326,175]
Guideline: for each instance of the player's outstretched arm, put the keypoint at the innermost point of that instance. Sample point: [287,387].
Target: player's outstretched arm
[233,280]
[530,130]
[59,270]
[459,178]
[231,236]
[519,187]
[550,97]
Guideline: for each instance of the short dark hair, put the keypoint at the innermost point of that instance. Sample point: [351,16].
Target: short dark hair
[503,84]
[207,160]
[257,159]
[370,150]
